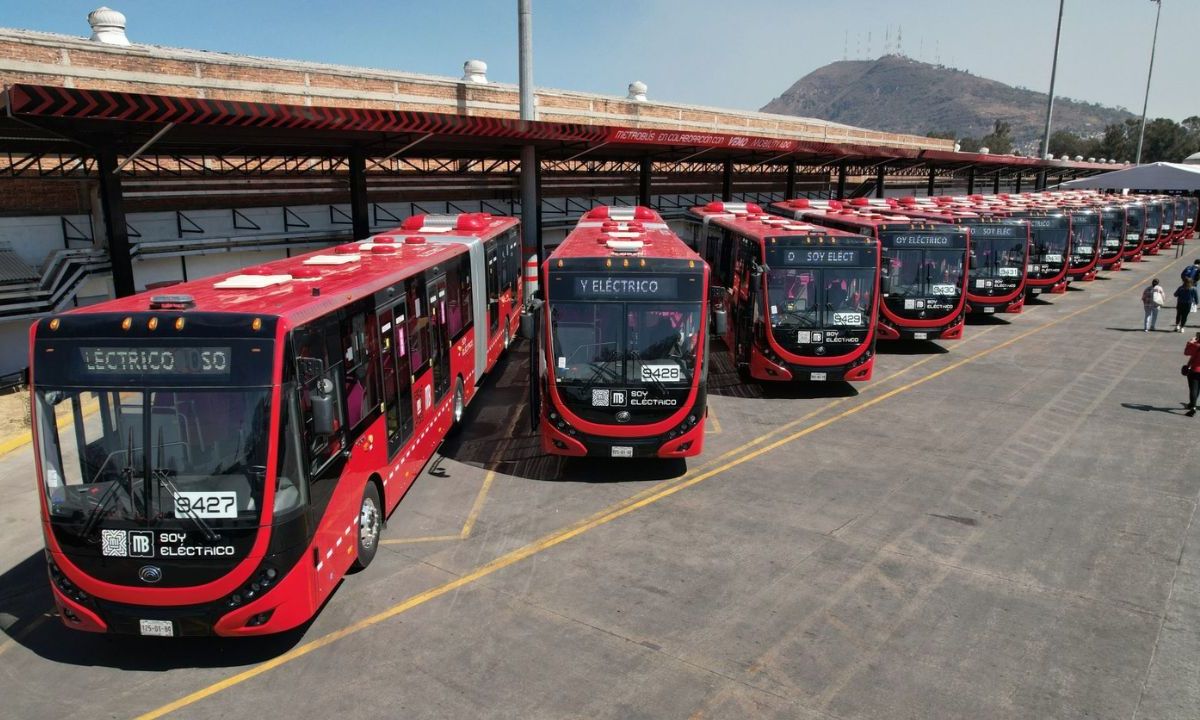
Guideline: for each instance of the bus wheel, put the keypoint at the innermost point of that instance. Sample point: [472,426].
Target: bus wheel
[370,524]
[460,404]
[507,336]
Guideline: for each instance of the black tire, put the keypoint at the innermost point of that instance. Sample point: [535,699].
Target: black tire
[459,408]
[370,527]
[507,336]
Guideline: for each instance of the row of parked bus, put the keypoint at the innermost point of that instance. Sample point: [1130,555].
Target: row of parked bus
[214,459]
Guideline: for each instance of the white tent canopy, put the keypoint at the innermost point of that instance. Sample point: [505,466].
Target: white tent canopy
[1155,176]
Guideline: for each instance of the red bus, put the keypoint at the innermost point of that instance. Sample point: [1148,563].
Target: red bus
[1085,243]
[801,300]
[1155,236]
[213,461]
[1135,229]
[1113,234]
[999,255]
[923,266]
[1049,251]
[624,336]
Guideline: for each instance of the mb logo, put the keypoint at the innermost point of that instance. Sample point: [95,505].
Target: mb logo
[127,543]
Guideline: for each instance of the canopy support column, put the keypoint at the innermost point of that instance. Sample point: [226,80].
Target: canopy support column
[116,232]
[359,215]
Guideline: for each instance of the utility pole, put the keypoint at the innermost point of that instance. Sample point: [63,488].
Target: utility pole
[1149,74]
[1053,72]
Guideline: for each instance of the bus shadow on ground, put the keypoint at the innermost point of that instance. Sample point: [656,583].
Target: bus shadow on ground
[979,320]
[28,619]
[910,347]
[1036,300]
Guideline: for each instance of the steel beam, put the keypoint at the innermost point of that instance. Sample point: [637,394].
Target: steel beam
[1017,186]
[644,170]
[971,181]
[789,190]
[841,183]
[932,183]
[727,181]
[879,180]
[360,215]
[996,184]
[116,232]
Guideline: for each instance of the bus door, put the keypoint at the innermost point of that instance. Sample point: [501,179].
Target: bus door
[439,355]
[745,292]
[397,381]
[493,290]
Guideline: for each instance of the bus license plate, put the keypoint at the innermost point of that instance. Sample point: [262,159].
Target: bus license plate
[1035,291]
[989,310]
[920,336]
[622,451]
[158,628]
[817,376]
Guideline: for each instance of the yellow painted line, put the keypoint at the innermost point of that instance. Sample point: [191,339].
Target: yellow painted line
[26,436]
[469,525]
[604,517]
[714,425]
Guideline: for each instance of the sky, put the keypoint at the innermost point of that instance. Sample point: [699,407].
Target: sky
[729,53]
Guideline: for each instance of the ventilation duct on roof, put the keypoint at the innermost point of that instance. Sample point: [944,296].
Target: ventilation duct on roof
[108,26]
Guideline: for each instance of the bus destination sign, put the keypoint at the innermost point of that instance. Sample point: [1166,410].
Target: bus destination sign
[805,256]
[206,361]
[632,287]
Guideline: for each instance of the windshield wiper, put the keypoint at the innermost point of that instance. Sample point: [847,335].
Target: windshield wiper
[163,480]
[126,474]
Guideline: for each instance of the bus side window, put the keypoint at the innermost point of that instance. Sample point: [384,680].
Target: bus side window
[418,325]
[458,296]
[360,350]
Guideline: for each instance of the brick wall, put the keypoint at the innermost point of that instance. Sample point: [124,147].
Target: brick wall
[45,58]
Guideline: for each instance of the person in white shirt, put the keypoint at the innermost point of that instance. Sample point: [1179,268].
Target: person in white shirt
[1153,298]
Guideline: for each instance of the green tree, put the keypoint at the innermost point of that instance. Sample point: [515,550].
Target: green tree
[969,144]
[999,140]
[1065,142]
[942,134]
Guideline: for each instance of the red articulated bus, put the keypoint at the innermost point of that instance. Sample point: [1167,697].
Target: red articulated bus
[1154,226]
[923,266]
[213,461]
[999,255]
[802,301]
[625,340]
[1135,229]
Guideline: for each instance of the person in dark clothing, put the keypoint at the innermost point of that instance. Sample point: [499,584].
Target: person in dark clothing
[1185,299]
[1191,272]
[1192,350]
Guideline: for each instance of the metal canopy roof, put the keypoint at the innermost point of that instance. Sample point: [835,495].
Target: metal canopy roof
[44,119]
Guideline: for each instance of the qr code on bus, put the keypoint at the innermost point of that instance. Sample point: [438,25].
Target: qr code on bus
[599,398]
[114,543]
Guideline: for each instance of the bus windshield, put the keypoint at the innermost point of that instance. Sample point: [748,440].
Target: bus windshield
[925,273]
[157,455]
[1085,230]
[996,258]
[1112,226]
[605,343]
[800,298]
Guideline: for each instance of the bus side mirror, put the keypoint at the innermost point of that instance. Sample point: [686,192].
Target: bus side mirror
[526,328]
[885,284]
[324,408]
[720,321]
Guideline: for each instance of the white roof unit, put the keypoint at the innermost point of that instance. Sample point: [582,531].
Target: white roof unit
[332,259]
[625,246]
[251,282]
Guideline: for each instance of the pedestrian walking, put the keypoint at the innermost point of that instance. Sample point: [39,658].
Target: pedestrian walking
[1191,272]
[1153,298]
[1192,371]
[1185,302]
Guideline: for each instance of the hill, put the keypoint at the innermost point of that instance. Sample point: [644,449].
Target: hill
[900,94]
